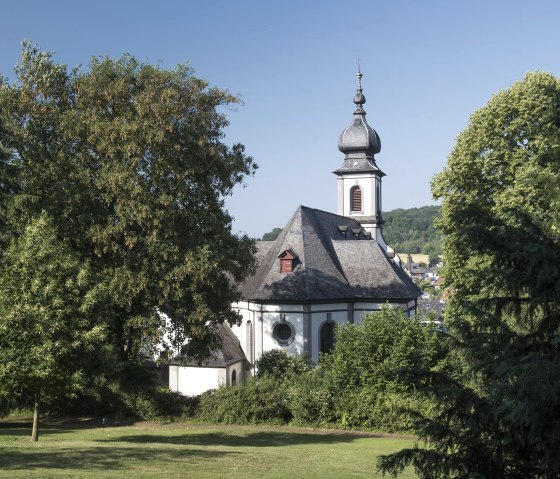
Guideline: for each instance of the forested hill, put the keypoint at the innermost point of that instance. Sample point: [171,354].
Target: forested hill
[412,231]
[406,230]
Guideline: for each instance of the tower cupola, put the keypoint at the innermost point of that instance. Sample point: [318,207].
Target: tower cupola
[359,140]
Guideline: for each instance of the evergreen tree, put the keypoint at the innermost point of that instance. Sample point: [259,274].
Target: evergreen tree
[498,417]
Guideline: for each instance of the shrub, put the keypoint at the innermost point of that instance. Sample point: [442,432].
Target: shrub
[278,365]
[261,400]
[310,400]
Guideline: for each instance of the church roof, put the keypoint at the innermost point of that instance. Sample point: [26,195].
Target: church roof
[333,263]
[228,352]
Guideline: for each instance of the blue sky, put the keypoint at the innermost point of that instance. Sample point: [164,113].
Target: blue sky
[427,66]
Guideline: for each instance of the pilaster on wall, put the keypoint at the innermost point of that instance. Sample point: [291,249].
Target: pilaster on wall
[259,333]
[307,336]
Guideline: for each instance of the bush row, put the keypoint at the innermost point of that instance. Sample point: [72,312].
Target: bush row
[361,384]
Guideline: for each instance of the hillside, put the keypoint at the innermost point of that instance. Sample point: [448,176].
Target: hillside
[412,231]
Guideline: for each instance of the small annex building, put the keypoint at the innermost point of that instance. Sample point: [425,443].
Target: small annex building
[323,269]
[226,367]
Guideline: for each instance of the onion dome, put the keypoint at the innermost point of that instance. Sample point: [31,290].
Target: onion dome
[359,139]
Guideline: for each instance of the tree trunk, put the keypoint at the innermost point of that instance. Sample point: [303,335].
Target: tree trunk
[35,432]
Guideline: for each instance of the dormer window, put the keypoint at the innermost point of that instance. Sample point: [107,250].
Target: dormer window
[287,261]
[355,198]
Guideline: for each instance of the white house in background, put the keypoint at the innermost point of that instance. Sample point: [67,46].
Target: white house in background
[323,269]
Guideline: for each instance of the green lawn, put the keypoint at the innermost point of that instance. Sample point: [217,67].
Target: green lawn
[182,450]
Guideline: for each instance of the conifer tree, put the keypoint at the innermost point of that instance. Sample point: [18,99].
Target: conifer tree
[498,416]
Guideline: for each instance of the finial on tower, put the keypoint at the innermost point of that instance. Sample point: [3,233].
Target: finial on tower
[359,98]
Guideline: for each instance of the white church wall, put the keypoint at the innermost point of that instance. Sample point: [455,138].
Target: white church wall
[361,309]
[264,317]
[321,314]
[367,185]
[192,381]
[289,315]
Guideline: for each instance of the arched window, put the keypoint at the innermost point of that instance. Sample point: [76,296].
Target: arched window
[249,342]
[355,198]
[327,337]
[233,377]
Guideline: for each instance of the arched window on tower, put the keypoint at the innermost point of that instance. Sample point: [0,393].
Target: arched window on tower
[327,337]
[234,377]
[356,198]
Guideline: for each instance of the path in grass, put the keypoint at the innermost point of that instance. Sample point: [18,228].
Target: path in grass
[181,450]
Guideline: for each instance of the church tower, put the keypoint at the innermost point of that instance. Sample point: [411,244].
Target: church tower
[359,178]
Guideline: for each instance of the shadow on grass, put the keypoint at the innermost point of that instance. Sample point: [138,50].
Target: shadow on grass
[251,439]
[100,458]
[48,426]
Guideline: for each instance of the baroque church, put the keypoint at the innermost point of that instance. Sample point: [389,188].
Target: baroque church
[323,269]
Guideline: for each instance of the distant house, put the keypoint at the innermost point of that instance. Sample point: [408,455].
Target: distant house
[323,269]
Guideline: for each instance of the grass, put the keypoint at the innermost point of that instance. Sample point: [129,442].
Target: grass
[84,449]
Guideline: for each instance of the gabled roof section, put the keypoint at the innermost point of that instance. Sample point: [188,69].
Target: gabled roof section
[229,351]
[332,265]
[288,254]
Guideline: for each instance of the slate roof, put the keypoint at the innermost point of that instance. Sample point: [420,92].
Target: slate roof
[229,352]
[330,266]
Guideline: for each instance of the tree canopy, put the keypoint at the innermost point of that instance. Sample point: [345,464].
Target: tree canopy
[127,159]
[271,235]
[50,333]
[500,194]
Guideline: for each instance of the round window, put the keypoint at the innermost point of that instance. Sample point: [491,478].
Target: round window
[283,333]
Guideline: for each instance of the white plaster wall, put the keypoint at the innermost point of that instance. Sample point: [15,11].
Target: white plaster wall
[192,381]
[264,317]
[239,369]
[249,312]
[367,184]
[318,318]
[294,316]
[361,309]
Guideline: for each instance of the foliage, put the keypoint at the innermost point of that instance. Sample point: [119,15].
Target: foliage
[276,364]
[365,368]
[500,195]
[311,400]
[50,336]
[272,235]
[356,386]
[412,230]
[127,159]
[261,400]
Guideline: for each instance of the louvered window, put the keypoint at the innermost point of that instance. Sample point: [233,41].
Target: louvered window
[356,199]
[288,261]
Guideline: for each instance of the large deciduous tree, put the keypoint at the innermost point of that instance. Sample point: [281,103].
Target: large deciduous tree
[50,333]
[128,160]
[500,203]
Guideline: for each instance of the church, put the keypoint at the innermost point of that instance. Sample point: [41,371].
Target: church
[323,269]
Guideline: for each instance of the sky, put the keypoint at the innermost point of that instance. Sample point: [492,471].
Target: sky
[426,65]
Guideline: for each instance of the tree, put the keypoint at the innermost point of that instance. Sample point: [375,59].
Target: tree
[272,235]
[498,415]
[49,332]
[128,160]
